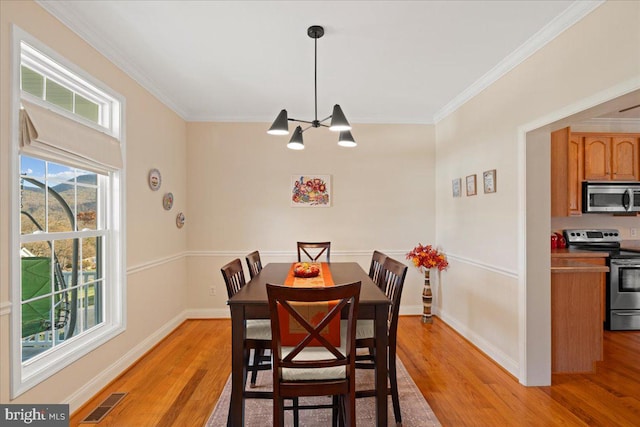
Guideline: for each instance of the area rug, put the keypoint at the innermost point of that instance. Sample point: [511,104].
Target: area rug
[259,412]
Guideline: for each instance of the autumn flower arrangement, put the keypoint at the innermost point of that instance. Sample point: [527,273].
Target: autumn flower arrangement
[427,257]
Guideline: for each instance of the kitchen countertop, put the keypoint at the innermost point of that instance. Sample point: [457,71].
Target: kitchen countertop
[567,265]
[564,261]
[578,253]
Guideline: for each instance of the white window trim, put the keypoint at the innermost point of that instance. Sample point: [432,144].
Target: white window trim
[33,372]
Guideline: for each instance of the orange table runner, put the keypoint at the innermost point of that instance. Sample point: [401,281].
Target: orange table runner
[291,332]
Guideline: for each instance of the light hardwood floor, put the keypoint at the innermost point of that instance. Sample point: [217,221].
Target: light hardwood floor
[179,381]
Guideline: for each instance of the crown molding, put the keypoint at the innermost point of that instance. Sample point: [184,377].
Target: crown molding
[572,15]
[74,22]
[610,121]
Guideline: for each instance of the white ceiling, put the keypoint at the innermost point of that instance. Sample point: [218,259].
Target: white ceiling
[382,61]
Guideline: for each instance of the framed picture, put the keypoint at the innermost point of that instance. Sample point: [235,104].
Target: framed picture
[489,179]
[456,186]
[313,191]
[471,185]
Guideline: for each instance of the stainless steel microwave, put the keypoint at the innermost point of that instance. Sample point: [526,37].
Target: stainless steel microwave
[610,197]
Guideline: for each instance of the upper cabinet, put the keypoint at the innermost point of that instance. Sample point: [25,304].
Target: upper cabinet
[611,157]
[597,158]
[625,154]
[578,157]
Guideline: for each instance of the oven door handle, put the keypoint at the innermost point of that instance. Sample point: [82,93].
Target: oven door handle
[625,314]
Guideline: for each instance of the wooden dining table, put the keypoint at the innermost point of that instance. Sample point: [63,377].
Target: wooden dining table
[251,303]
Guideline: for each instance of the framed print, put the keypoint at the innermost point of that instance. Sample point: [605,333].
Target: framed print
[155,179]
[471,185]
[489,179]
[456,186]
[311,191]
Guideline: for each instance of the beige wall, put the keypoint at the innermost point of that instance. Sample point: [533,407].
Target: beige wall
[487,232]
[239,199]
[156,262]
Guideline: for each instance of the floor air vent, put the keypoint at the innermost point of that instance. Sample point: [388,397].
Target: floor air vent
[104,408]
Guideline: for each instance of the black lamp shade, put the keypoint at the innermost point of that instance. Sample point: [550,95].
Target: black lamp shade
[280,125]
[339,122]
[346,139]
[296,143]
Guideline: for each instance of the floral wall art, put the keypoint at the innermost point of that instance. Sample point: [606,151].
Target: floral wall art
[311,191]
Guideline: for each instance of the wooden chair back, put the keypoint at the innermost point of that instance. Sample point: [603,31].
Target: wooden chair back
[346,297]
[392,282]
[233,276]
[324,247]
[375,270]
[254,263]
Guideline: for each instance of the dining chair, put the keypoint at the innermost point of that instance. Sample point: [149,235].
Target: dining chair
[254,263]
[377,261]
[392,276]
[325,247]
[258,331]
[303,370]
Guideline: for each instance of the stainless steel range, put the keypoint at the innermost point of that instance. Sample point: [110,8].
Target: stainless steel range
[623,279]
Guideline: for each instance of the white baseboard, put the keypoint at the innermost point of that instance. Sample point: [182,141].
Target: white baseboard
[512,366]
[93,387]
[408,310]
[208,313]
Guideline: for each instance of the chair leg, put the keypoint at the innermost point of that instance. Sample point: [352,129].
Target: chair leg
[257,357]
[350,409]
[246,356]
[393,380]
[278,412]
[296,412]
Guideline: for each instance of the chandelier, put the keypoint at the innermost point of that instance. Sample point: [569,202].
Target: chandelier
[339,122]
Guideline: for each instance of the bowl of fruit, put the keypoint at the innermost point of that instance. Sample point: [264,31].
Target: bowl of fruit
[306,269]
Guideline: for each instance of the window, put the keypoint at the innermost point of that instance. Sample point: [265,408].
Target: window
[62,241]
[68,273]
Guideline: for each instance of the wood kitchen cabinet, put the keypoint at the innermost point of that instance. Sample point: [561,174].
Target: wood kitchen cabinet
[611,157]
[582,156]
[576,327]
[567,173]
[577,304]
[575,174]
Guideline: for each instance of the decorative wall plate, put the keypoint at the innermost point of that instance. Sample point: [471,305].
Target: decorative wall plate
[180,220]
[155,179]
[167,201]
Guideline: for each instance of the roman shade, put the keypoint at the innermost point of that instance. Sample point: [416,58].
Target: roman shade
[47,134]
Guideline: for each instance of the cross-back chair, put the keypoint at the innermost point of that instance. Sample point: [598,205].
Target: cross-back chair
[391,281]
[324,248]
[258,331]
[254,263]
[303,370]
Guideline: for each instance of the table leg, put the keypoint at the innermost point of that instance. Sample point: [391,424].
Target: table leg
[381,313]
[236,405]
